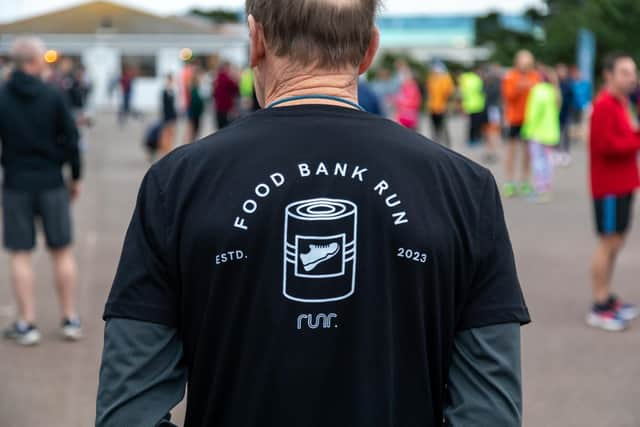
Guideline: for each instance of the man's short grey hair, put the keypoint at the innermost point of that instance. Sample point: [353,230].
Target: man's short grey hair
[326,33]
[25,50]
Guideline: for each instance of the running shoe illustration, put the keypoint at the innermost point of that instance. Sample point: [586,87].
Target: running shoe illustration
[318,254]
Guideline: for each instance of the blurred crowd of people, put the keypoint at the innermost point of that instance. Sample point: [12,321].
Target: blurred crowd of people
[227,89]
[538,110]
[535,108]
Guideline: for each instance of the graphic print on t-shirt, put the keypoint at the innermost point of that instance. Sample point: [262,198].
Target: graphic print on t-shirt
[318,254]
[320,250]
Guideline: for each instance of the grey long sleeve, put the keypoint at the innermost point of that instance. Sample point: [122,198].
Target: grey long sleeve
[485,379]
[142,376]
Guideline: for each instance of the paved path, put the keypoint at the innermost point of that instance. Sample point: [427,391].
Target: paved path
[574,376]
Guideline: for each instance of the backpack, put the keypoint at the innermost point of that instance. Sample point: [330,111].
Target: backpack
[152,137]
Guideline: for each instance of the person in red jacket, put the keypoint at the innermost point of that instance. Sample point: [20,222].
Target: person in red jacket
[614,147]
[225,91]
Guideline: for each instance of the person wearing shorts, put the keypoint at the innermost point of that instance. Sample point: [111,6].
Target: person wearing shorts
[515,91]
[514,131]
[440,89]
[613,214]
[34,191]
[614,147]
[22,211]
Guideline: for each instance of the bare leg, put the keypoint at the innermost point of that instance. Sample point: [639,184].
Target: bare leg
[510,160]
[445,134]
[163,140]
[22,278]
[602,265]
[493,141]
[526,163]
[167,139]
[191,132]
[66,275]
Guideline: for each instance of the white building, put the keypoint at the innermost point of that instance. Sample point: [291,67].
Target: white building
[426,37]
[105,37]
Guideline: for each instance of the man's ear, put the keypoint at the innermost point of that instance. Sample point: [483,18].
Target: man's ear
[370,54]
[257,46]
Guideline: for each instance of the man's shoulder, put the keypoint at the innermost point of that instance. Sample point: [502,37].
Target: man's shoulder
[390,139]
[425,148]
[414,150]
[604,102]
[604,97]
[202,151]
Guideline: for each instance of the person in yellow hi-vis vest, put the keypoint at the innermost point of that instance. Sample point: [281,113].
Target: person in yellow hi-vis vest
[541,129]
[247,93]
[473,104]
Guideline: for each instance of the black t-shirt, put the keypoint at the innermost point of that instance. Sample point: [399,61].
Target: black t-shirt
[317,261]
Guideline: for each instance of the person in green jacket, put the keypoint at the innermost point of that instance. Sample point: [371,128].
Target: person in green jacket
[473,104]
[195,107]
[541,128]
[247,92]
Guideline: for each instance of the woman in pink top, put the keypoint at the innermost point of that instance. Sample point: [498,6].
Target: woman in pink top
[408,99]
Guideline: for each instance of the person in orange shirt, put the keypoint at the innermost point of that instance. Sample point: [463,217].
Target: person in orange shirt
[515,90]
[440,88]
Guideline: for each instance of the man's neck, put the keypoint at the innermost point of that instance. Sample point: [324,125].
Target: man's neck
[334,84]
[616,93]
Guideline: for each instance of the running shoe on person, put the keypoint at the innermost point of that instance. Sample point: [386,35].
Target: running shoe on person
[525,189]
[71,329]
[608,320]
[509,190]
[625,310]
[23,333]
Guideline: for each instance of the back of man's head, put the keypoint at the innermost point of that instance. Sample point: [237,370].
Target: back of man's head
[326,33]
[612,60]
[620,73]
[27,54]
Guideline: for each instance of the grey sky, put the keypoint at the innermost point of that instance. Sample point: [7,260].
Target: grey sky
[14,9]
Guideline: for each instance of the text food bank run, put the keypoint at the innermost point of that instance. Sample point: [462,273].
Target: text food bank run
[354,173]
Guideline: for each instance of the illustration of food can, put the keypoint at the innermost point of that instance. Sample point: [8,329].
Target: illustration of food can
[320,250]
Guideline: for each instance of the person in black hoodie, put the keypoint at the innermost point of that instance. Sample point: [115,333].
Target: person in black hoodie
[38,136]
